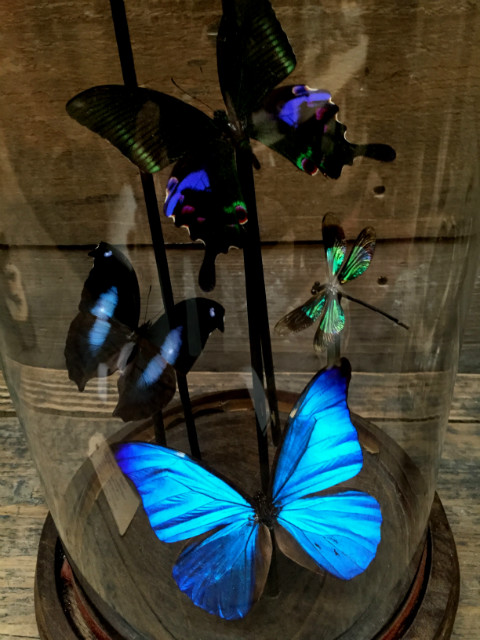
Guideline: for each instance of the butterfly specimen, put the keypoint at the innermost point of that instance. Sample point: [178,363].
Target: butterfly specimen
[224,565]
[154,129]
[324,305]
[105,336]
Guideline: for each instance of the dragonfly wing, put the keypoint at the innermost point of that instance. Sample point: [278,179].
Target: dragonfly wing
[331,323]
[302,317]
[334,243]
[360,256]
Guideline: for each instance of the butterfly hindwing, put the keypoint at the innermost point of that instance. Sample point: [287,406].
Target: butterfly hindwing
[339,532]
[225,573]
[300,123]
[183,500]
[204,196]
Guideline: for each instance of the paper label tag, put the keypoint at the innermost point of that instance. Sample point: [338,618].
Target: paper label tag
[121,498]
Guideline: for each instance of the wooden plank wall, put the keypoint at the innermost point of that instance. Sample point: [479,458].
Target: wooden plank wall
[404,73]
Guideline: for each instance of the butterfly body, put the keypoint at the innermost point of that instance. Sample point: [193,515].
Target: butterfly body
[104,337]
[224,565]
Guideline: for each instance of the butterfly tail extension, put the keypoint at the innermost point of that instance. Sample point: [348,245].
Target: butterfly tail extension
[381,152]
[207,273]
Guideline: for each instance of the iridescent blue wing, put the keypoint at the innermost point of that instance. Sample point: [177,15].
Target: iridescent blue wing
[321,446]
[150,128]
[204,196]
[147,380]
[339,533]
[225,571]
[303,316]
[360,256]
[253,55]
[196,318]
[109,310]
[300,123]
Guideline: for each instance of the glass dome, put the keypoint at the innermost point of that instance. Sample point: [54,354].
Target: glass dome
[83,326]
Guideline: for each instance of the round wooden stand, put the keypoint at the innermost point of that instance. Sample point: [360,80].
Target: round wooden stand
[67,607]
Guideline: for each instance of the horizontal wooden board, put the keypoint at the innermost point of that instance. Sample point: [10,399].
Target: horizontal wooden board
[426,285]
[391,69]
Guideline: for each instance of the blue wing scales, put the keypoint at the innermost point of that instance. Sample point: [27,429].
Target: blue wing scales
[226,573]
[223,573]
[339,532]
[321,447]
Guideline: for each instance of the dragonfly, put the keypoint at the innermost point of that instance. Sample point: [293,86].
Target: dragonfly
[325,304]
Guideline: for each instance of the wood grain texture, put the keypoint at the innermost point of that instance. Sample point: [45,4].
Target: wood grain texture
[22,513]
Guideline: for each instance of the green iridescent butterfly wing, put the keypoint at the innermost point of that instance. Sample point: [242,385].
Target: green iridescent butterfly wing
[150,128]
[253,56]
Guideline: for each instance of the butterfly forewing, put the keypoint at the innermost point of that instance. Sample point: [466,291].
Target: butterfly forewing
[321,446]
[253,54]
[150,128]
[360,256]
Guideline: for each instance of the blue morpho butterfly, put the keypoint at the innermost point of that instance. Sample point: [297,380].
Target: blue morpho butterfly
[324,305]
[224,565]
[105,336]
[154,129]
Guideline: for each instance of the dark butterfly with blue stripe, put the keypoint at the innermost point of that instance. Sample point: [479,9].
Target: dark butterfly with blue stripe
[105,337]
[154,129]
[325,304]
[224,565]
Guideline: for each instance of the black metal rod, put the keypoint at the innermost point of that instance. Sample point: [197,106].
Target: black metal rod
[257,314]
[127,64]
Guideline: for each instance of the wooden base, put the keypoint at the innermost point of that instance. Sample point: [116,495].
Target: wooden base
[64,611]
[424,596]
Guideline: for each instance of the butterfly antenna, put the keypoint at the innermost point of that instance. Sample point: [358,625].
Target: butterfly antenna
[370,306]
[175,84]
